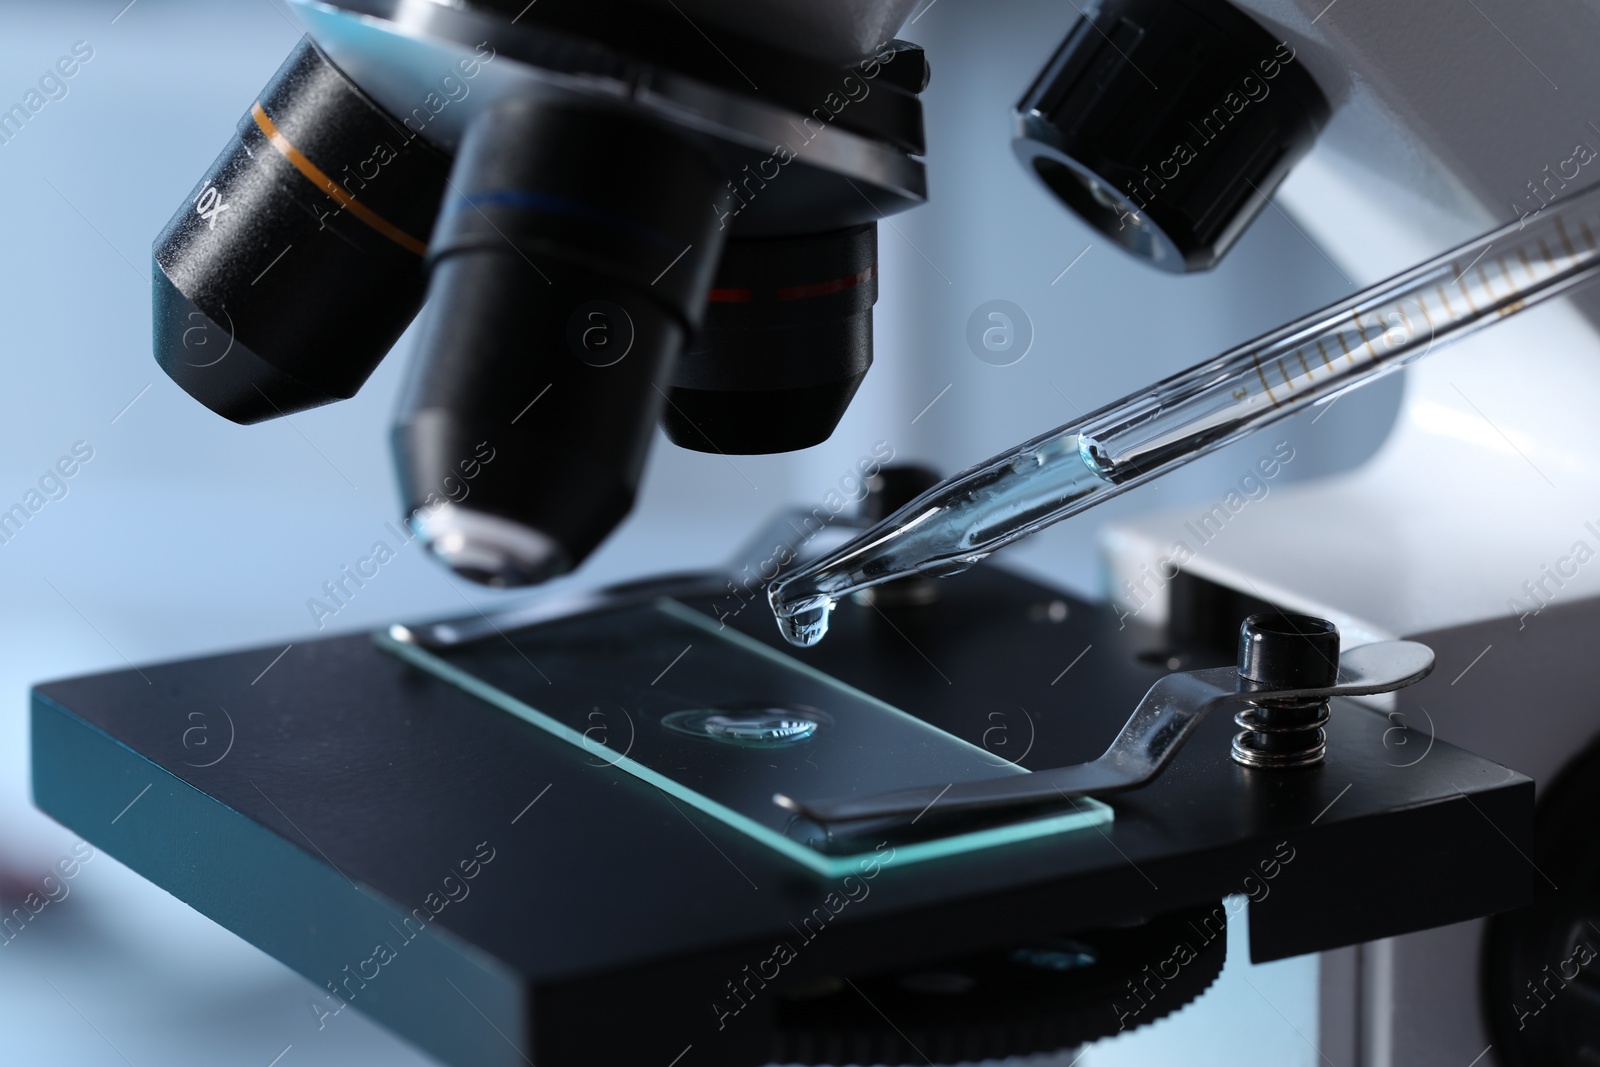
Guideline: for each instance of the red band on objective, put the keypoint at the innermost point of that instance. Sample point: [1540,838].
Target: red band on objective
[838,285]
[796,292]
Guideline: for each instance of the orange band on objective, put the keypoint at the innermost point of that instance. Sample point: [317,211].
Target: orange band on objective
[314,174]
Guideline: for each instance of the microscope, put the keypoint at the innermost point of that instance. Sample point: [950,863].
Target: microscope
[490,833]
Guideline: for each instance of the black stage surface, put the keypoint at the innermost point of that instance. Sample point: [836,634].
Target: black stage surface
[610,924]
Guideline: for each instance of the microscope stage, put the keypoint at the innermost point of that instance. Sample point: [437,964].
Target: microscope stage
[498,895]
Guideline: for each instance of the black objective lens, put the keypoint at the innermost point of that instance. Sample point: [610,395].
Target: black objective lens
[570,261]
[297,261]
[1166,125]
[786,342]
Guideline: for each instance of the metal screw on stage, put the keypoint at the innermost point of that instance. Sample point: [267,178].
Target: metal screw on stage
[1280,650]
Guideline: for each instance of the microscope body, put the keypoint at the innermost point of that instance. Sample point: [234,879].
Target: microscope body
[619,224]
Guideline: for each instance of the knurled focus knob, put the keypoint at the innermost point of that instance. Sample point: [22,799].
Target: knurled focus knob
[1166,125]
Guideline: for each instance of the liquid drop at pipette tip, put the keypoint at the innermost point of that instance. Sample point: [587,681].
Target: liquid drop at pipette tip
[953,528]
[806,623]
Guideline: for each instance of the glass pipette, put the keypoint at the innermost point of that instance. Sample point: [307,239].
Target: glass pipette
[1074,467]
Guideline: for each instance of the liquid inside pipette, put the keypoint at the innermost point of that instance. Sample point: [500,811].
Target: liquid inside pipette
[1307,361]
[945,531]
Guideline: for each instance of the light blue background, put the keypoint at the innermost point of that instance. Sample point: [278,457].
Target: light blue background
[186,534]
